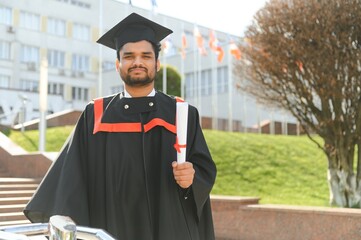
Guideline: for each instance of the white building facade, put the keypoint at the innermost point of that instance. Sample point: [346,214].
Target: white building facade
[65,32]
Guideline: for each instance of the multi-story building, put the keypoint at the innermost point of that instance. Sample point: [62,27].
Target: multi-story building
[65,32]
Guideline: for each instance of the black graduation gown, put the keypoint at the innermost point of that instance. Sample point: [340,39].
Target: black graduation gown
[115,173]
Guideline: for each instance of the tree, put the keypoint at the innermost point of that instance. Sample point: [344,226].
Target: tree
[173,81]
[304,56]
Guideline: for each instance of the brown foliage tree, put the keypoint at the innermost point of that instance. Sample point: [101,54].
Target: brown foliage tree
[304,56]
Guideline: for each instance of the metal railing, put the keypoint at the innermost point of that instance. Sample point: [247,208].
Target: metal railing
[58,228]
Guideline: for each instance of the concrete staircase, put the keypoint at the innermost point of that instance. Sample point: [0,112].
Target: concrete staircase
[14,194]
[20,174]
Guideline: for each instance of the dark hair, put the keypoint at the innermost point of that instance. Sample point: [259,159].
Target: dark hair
[156,47]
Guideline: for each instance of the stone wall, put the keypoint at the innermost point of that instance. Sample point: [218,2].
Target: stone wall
[24,165]
[233,219]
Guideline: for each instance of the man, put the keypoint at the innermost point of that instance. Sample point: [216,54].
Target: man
[118,170]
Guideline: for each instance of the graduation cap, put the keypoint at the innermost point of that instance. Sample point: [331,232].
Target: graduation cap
[134,28]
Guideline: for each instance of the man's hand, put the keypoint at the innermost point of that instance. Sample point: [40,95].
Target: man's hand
[183,174]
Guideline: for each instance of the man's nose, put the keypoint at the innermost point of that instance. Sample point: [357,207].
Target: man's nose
[137,61]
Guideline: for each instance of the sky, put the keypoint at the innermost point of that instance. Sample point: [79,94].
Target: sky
[230,16]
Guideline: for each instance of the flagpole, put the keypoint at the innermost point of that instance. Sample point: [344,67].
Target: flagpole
[182,79]
[100,51]
[200,84]
[182,65]
[234,51]
[214,93]
[164,62]
[194,84]
[164,73]
[230,89]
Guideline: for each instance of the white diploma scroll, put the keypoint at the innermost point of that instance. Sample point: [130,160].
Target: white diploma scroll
[182,124]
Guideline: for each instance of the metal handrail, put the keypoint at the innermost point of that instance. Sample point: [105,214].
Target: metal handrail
[93,233]
[27,229]
[58,228]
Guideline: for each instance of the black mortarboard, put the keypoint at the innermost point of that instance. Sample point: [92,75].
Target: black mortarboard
[133,28]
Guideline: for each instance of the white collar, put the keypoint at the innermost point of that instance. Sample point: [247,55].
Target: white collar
[127,95]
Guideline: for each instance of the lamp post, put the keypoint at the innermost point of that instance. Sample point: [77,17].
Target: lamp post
[22,111]
[43,103]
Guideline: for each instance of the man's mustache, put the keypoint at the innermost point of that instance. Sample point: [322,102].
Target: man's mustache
[132,68]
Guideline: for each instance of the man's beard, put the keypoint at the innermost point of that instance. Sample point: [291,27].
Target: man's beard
[128,80]
[138,81]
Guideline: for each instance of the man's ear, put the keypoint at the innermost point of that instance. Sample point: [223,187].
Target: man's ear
[158,65]
[117,65]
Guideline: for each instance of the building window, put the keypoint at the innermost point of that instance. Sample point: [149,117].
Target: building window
[29,54]
[85,94]
[29,20]
[56,26]
[80,63]
[56,88]
[29,85]
[79,93]
[4,81]
[5,15]
[4,50]
[206,83]
[189,85]
[222,80]
[81,32]
[108,65]
[56,58]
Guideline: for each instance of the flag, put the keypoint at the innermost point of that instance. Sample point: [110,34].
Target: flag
[220,53]
[154,3]
[184,45]
[234,50]
[215,46]
[166,45]
[212,40]
[199,41]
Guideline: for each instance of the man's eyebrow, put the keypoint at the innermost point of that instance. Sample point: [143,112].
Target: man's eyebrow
[147,53]
[144,53]
[127,53]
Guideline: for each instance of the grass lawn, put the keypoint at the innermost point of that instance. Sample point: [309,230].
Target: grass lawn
[278,169]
